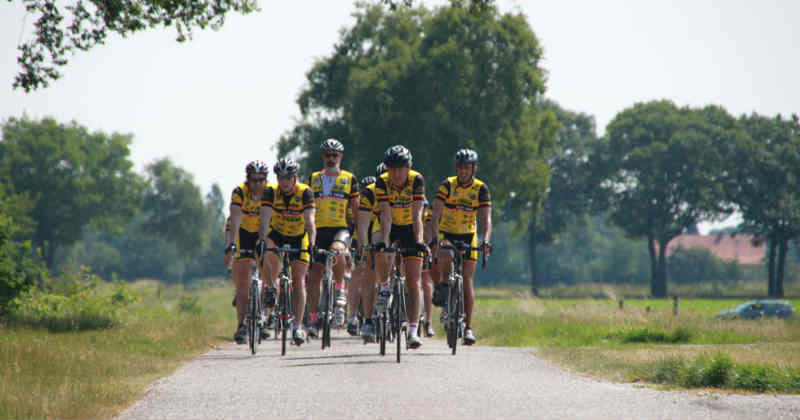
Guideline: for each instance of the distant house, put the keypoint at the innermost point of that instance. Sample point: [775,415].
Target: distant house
[738,248]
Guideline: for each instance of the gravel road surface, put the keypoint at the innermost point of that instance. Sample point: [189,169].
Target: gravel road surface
[351,380]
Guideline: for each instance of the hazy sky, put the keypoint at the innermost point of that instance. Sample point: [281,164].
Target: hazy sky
[224,98]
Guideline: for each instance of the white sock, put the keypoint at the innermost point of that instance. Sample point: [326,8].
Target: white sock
[412,328]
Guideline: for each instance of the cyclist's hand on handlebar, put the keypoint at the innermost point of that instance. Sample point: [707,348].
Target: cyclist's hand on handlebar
[379,246]
[230,250]
[421,247]
[487,248]
[312,253]
[261,245]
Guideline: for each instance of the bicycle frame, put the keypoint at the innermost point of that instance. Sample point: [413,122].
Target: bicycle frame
[394,319]
[326,309]
[285,307]
[254,318]
[456,315]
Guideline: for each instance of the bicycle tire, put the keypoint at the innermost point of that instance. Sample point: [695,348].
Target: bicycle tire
[284,321]
[452,318]
[252,323]
[380,332]
[397,315]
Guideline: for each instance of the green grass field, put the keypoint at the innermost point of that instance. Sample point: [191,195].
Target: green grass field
[98,373]
[594,336]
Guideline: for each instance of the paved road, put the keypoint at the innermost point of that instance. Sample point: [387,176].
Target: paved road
[352,381]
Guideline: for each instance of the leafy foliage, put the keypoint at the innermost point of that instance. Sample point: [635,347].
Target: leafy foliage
[71,178]
[435,81]
[90,22]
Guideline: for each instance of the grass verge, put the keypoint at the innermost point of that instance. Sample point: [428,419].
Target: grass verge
[646,342]
[98,373]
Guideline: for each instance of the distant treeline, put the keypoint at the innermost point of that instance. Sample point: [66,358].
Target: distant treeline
[569,206]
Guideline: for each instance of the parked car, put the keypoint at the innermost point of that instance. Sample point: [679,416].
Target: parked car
[756,309]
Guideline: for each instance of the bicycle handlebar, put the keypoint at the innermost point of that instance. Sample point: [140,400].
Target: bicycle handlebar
[460,246]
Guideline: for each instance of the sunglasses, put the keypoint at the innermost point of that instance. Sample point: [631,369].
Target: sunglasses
[258,179]
[285,177]
[331,155]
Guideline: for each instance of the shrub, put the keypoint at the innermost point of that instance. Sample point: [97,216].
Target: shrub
[189,304]
[81,311]
[648,335]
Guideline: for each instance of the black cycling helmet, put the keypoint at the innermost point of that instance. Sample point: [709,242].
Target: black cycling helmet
[380,170]
[397,156]
[466,156]
[286,167]
[366,181]
[332,145]
[256,167]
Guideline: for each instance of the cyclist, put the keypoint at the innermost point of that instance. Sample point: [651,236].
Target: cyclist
[427,281]
[368,233]
[401,199]
[458,201]
[334,191]
[289,205]
[246,201]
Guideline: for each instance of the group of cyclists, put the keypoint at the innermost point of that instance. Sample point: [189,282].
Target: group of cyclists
[335,211]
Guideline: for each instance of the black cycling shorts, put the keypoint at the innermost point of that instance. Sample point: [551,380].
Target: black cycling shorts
[299,242]
[245,241]
[470,239]
[404,236]
[326,236]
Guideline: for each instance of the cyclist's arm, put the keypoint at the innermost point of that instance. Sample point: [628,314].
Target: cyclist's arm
[386,220]
[485,212]
[311,228]
[418,206]
[438,205]
[235,210]
[416,214]
[308,216]
[363,225]
[265,214]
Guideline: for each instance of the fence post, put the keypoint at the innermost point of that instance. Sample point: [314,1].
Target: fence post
[621,304]
[675,305]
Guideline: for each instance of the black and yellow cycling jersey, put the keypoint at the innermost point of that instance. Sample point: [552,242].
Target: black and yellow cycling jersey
[367,202]
[242,197]
[332,202]
[461,205]
[287,211]
[401,198]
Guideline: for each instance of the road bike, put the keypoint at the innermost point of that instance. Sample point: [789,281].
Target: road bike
[254,319]
[285,324]
[327,307]
[391,322]
[454,324]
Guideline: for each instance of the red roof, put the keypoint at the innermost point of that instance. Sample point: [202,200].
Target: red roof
[738,248]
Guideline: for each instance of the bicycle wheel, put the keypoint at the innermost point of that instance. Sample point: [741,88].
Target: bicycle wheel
[452,319]
[323,313]
[252,322]
[283,314]
[380,332]
[397,313]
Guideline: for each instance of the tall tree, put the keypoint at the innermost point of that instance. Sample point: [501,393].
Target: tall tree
[175,208]
[569,193]
[768,191]
[435,81]
[665,170]
[71,177]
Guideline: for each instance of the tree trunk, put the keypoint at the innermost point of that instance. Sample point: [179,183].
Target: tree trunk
[532,243]
[651,247]
[783,247]
[659,287]
[770,265]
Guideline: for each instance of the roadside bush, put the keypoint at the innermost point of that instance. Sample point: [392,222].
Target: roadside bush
[71,302]
[651,335]
[189,304]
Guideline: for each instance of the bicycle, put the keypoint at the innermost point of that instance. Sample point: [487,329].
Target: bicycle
[285,307]
[392,320]
[255,311]
[327,307]
[454,325]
